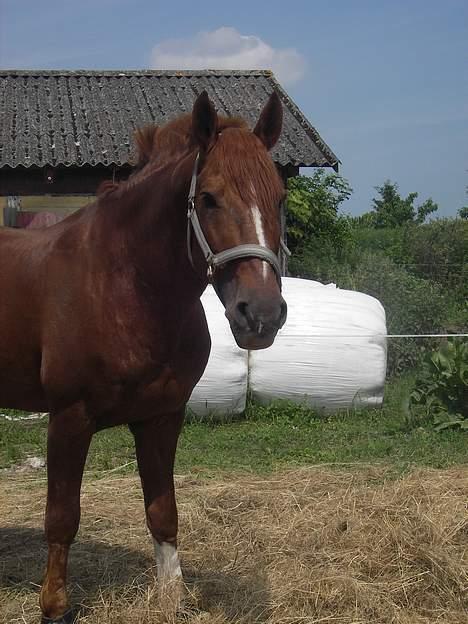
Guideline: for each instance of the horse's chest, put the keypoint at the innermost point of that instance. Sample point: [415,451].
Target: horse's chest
[141,380]
[130,344]
[128,366]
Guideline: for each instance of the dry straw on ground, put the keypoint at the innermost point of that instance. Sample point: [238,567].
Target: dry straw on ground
[309,546]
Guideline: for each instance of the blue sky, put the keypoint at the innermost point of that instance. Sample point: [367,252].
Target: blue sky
[384,82]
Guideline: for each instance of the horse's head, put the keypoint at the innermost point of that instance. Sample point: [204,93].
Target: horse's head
[237,194]
[234,209]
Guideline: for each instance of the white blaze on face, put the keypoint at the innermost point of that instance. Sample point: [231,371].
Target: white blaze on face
[167,561]
[257,219]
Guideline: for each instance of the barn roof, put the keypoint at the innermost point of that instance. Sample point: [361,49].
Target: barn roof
[88,117]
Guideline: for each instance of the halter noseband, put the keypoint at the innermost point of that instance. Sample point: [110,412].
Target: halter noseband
[215,260]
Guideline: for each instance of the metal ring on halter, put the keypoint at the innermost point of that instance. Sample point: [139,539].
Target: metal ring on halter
[228,255]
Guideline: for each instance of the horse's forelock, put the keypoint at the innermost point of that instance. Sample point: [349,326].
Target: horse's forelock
[164,143]
[176,135]
[245,163]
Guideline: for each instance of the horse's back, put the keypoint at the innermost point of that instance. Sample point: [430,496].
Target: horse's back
[20,267]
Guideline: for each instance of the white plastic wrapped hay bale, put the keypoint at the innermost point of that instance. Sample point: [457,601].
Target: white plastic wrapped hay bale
[223,388]
[330,354]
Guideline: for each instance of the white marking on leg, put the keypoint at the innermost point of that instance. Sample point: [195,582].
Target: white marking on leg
[170,581]
[257,219]
[167,561]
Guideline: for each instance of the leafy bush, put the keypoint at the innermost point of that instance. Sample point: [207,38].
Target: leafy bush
[441,390]
[435,251]
[312,211]
[390,241]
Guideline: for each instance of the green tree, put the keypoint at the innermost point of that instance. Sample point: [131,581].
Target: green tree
[392,210]
[312,210]
[463,213]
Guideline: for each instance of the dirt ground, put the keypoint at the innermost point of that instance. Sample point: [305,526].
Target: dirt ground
[345,545]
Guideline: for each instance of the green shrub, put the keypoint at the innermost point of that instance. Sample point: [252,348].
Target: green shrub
[441,390]
[435,251]
[312,211]
[390,241]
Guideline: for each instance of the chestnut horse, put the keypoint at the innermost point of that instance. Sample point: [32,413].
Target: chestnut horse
[100,316]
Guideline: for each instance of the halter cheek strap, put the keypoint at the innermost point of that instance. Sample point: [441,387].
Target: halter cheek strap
[215,260]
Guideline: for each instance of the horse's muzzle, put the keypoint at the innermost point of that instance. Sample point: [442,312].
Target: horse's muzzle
[255,322]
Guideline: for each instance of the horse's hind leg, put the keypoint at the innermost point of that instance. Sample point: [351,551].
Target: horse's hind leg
[69,436]
[155,443]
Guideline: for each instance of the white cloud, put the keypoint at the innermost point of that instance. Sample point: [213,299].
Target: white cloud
[226,48]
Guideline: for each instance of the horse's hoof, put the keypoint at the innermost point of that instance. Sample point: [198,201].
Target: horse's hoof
[67,618]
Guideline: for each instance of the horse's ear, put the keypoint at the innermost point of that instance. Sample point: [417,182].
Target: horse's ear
[144,139]
[204,121]
[268,128]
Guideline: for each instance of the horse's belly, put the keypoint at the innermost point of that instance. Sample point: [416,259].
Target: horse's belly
[20,369]
[20,388]
[20,352]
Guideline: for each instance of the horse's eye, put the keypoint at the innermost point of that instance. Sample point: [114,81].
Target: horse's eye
[209,200]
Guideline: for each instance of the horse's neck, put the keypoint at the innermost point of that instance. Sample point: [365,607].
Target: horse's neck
[145,233]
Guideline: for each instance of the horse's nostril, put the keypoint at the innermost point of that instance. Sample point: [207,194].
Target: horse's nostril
[283,312]
[242,309]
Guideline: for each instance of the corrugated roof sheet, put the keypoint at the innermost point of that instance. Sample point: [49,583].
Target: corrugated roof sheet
[88,117]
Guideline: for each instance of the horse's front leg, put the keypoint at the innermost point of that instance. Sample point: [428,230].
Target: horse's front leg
[69,436]
[155,443]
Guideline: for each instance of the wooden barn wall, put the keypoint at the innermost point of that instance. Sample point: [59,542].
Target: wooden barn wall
[66,180]
[30,205]
[73,180]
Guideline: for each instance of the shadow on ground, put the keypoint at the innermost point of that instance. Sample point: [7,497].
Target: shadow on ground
[96,568]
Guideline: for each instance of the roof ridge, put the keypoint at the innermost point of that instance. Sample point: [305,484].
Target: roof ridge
[135,72]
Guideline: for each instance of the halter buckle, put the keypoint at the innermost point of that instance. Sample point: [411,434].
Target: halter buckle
[191,207]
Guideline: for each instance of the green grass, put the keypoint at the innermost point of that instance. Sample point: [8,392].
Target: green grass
[272,437]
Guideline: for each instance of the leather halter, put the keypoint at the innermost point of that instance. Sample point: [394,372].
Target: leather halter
[215,260]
